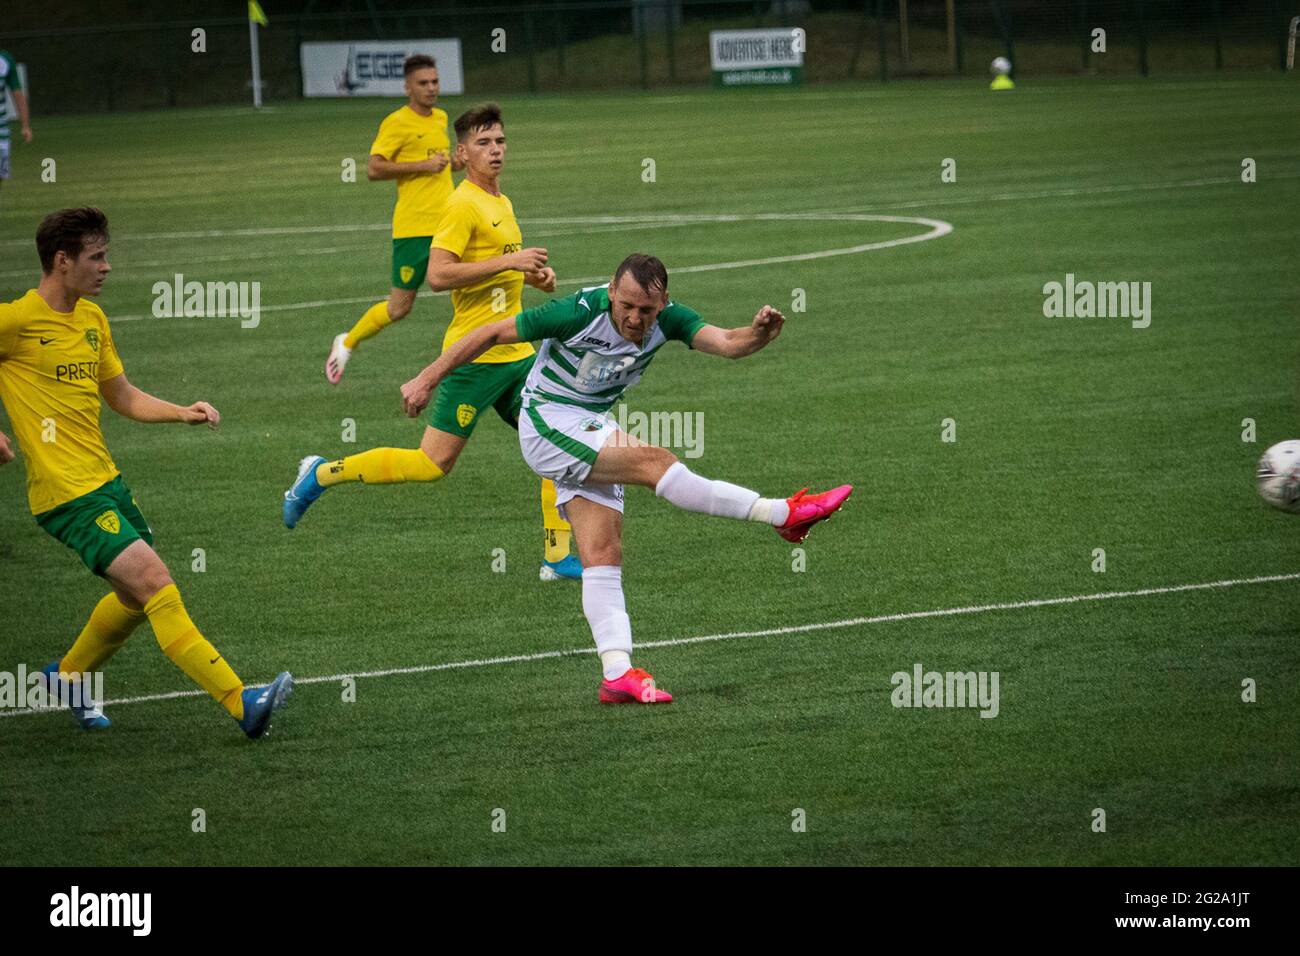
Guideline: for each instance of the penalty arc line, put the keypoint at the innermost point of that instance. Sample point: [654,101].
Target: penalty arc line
[735,635]
[938,228]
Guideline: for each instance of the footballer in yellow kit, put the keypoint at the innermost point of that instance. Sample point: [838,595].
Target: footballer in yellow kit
[413,148]
[477,254]
[57,359]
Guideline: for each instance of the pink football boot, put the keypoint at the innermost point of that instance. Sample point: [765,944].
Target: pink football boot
[634,687]
[806,510]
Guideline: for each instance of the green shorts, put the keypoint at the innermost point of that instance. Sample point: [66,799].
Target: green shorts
[99,525]
[471,388]
[410,261]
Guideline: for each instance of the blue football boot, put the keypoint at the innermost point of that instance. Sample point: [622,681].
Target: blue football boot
[570,568]
[261,702]
[304,490]
[89,717]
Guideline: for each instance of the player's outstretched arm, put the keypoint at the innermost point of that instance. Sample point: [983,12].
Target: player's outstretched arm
[417,392]
[130,402]
[6,450]
[742,341]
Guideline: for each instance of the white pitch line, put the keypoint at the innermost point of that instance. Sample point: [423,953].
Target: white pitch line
[937,229]
[735,635]
[1061,193]
[651,217]
[181,264]
[173,264]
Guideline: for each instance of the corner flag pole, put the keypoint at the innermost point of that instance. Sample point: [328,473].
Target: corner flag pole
[256,18]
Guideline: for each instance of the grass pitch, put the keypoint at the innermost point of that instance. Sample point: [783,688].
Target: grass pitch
[1072,435]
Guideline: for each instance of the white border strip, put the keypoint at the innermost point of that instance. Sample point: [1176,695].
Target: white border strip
[734,635]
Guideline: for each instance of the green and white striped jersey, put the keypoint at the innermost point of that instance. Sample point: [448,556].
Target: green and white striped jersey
[8,81]
[583,361]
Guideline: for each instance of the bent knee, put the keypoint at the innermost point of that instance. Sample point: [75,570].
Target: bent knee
[400,307]
[604,556]
[445,461]
[655,462]
[149,584]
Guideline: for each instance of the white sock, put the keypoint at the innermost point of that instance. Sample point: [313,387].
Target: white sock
[602,602]
[773,511]
[614,664]
[685,489]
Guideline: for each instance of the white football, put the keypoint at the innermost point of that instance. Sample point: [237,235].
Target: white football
[1279,476]
[1001,66]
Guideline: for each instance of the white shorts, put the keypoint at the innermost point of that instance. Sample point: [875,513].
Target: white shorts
[4,159]
[560,442]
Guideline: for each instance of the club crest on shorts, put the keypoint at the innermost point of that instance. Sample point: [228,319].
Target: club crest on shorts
[590,424]
[108,522]
[465,414]
[92,336]
[407,273]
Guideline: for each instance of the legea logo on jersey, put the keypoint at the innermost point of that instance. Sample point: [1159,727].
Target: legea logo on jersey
[208,300]
[674,430]
[28,690]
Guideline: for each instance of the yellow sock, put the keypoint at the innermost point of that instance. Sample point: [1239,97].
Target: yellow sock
[556,530]
[181,641]
[110,624]
[379,466]
[373,322]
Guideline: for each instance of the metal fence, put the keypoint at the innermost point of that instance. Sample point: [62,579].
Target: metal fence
[557,45]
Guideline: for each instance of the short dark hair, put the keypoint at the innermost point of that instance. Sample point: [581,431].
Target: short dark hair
[418,61]
[68,231]
[483,116]
[648,271]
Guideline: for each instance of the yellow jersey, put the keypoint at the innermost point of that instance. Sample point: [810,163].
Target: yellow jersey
[476,226]
[407,137]
[51,365]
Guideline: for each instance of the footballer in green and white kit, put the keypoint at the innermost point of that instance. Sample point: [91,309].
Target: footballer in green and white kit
[581,371]
[10,81]
[595,344]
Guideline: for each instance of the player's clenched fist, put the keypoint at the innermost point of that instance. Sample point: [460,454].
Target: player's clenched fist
[543,280]
[6,453]
[415,396]
[200,413]
[768,322]
[528,260]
